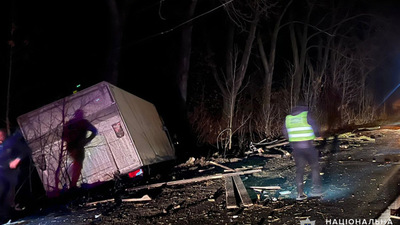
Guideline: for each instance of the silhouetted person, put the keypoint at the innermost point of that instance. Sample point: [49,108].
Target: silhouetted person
[331,101]
[13,149]
[300,130]
[74,134]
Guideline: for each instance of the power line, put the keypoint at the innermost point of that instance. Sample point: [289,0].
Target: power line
[179,25]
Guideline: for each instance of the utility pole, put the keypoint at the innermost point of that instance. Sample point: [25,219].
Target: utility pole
[12,44]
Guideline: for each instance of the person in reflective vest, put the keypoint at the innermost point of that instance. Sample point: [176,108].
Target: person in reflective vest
[300,129]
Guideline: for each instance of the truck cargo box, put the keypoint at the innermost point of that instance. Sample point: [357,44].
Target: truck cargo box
[131,135]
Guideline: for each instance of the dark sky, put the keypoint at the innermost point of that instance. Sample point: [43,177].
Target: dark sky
[63,43]
[59,44]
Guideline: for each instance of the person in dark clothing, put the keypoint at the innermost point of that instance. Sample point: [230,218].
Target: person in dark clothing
[330,104]
[74,134]
[300,129]
[12,151]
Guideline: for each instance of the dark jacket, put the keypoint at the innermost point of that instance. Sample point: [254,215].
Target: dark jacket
[301,144]
[13,147]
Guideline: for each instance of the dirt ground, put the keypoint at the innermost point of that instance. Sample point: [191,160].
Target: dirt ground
[360,181]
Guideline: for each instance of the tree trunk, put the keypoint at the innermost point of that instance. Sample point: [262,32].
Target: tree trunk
[266,96]
[299,57]
[233,80]
[185,52]
[268,62]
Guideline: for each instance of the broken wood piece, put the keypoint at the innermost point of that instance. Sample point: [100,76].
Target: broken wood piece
[149,186]
[270,155]
[230,194]
[284,152]
[99,202]
[258,190]
[275,145]
[144,198]
[266,187]
[245,169]
[394,217]
[368,128]
[198,179]
[244,196]
[203,170]
[192,180]
[222,166]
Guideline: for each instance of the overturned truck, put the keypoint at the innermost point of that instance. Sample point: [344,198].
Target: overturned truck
[131,135]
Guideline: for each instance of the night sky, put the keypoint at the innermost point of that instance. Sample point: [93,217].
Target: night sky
[59,44]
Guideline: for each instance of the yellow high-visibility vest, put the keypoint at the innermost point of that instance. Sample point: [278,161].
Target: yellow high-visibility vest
[298,128]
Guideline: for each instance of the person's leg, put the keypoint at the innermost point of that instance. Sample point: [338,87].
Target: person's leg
[13,180]
[335,144]
[4,205]
[76,172]
[78,156]
[313,160]
[300,160]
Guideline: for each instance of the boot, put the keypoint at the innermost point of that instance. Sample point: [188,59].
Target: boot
[301,196]
[300,192]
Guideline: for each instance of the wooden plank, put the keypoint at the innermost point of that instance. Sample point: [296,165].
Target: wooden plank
[192,180]
[217,176]
[276,145]
[230,194]
[244,196]
[245,169]
[222,166]
[142,199]
[269,155]
[395,217]
[266,187]
[99,202]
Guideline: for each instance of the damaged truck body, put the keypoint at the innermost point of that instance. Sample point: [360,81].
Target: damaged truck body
[131,136]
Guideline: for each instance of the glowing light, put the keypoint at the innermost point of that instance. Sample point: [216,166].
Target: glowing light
[78,85]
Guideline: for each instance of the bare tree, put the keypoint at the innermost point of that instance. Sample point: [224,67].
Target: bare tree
[299,41]
[236,66]
[268,62]
[328,60]
[185,52]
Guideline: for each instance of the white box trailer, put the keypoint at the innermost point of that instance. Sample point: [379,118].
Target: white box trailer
[131,135]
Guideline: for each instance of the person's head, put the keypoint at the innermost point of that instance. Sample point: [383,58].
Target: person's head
[301,106]
[3,135]
[79,114]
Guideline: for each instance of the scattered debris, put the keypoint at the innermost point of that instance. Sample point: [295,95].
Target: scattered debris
[144,198]
[192,180]
[266,187]
[230,194]
[244,196]
[204,170]
[231,201]
[222,166]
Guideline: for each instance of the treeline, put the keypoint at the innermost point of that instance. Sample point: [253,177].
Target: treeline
[254,60]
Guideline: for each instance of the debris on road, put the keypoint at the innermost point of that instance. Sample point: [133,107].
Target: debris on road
[144,198]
